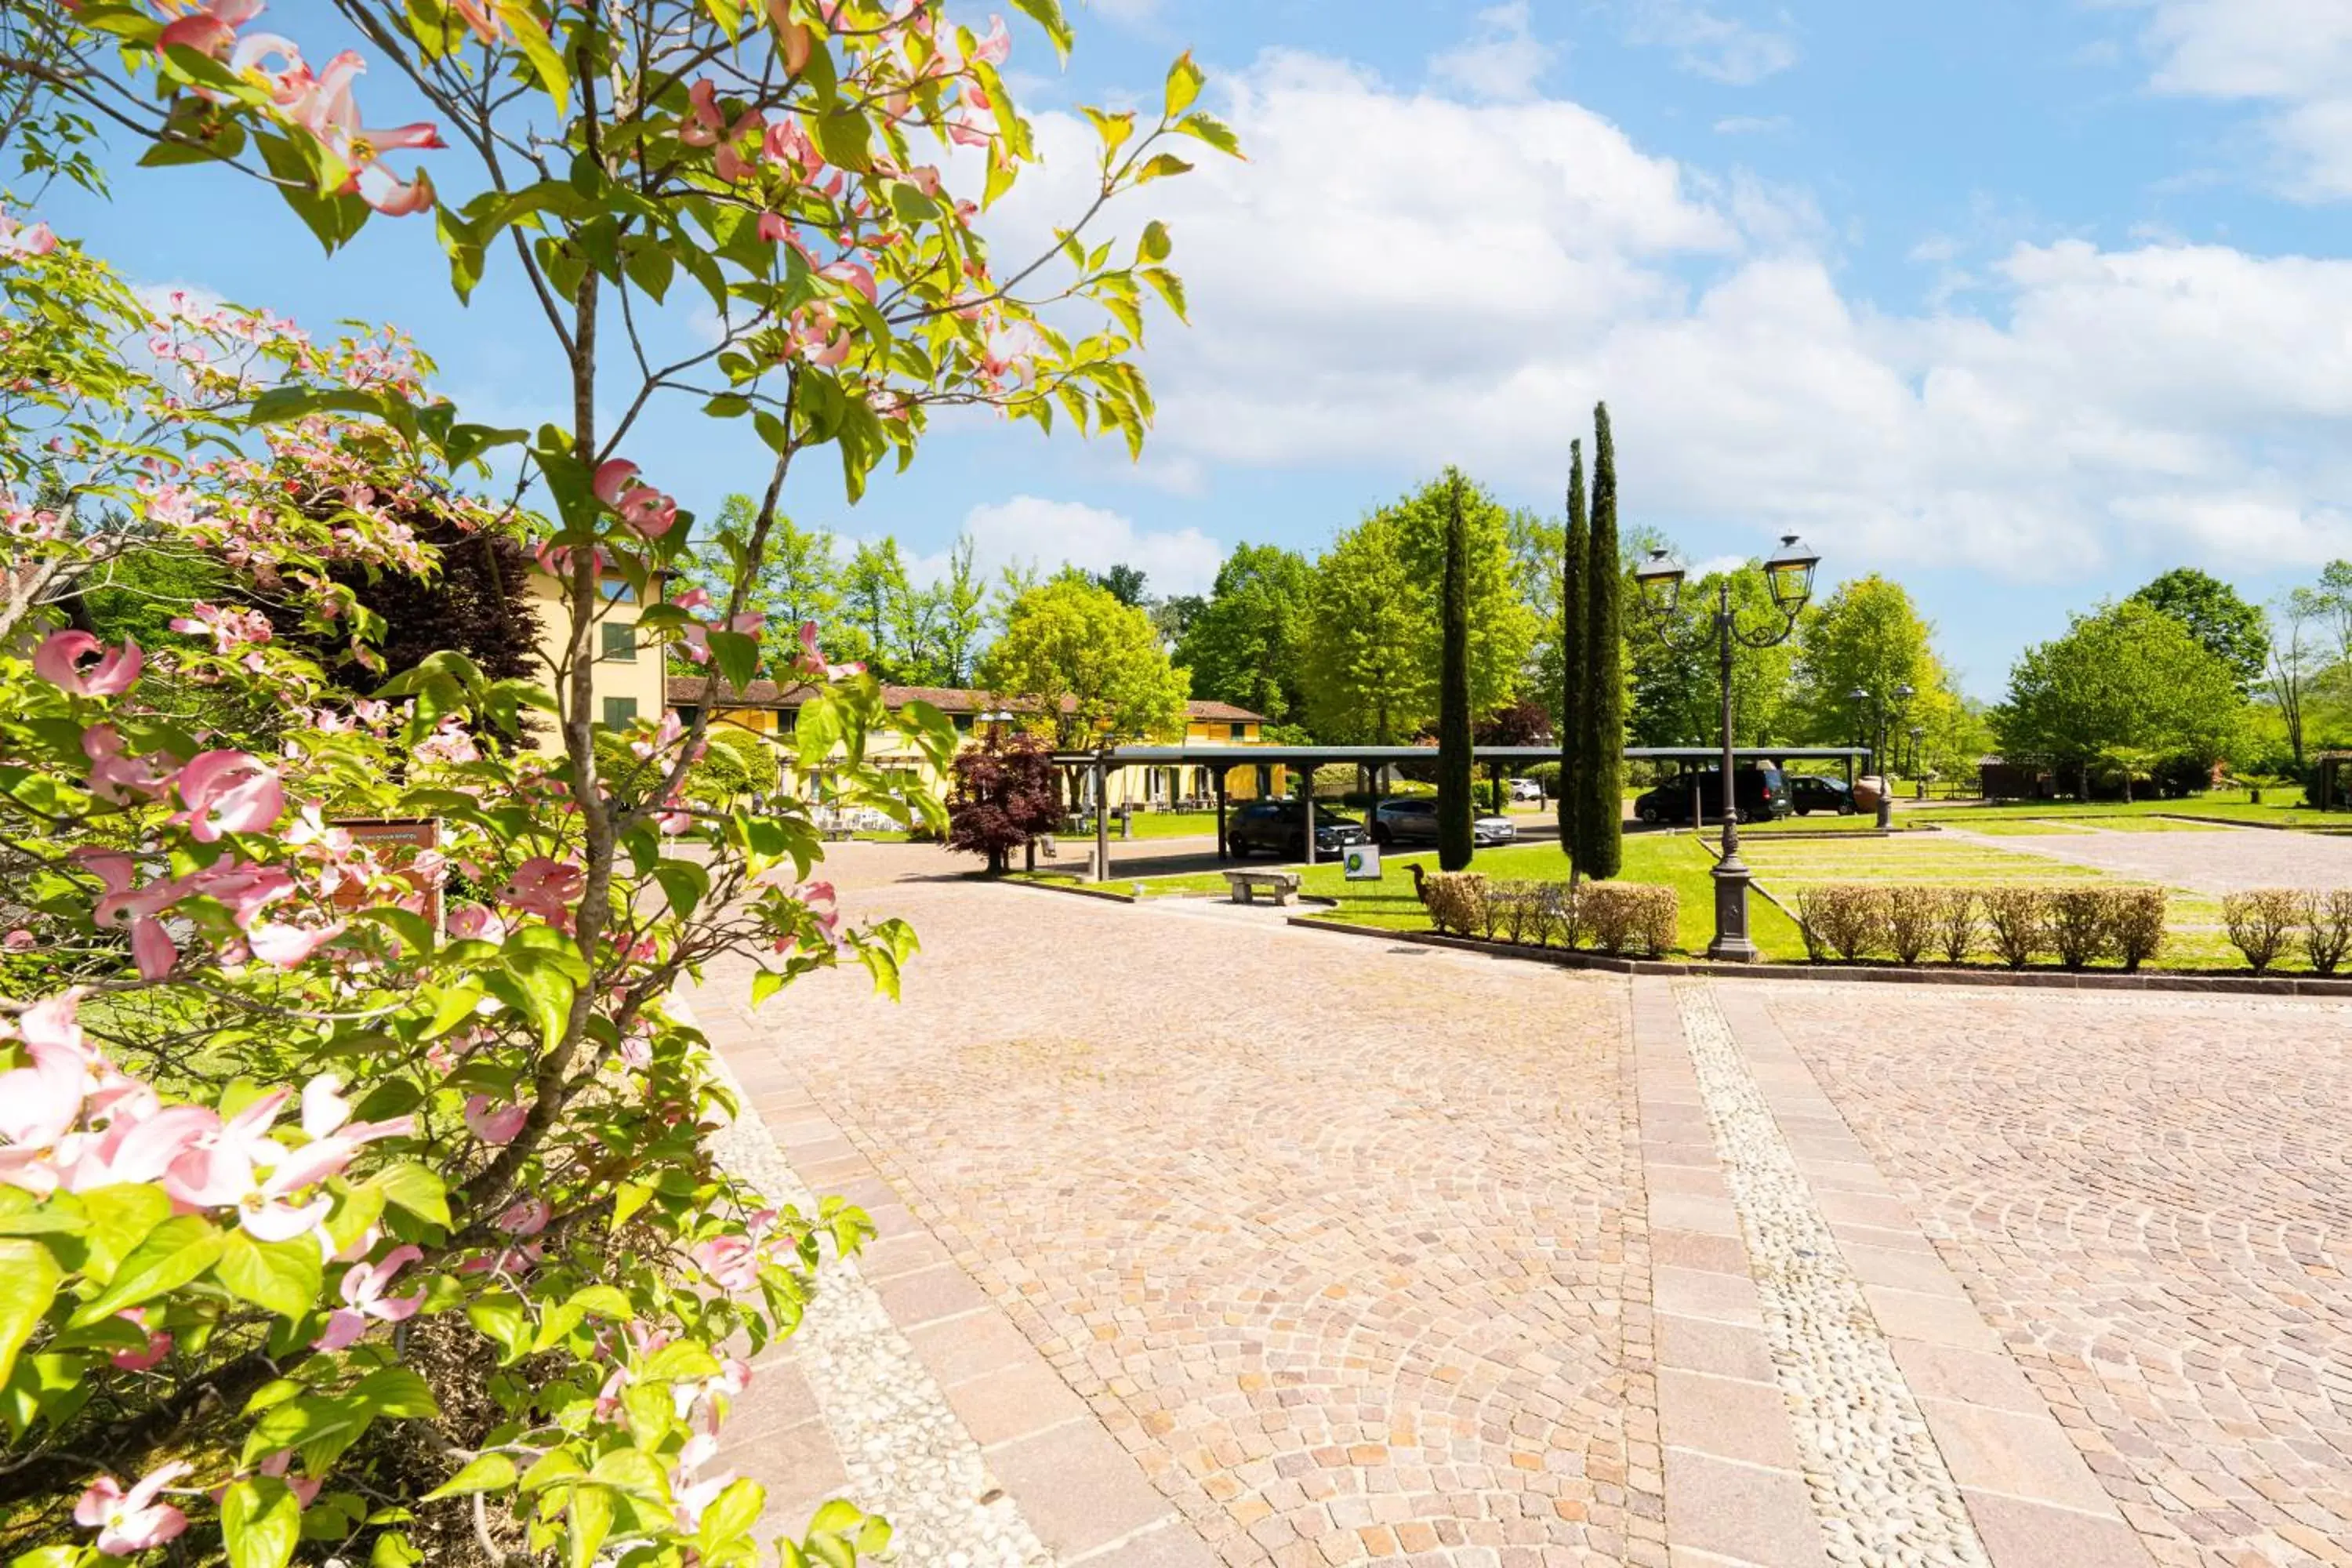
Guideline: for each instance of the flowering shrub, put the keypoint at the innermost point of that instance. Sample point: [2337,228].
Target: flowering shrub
[355,1194]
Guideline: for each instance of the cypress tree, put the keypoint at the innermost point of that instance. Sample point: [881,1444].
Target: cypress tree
[1455,765]
[1574,609]
[1601,797]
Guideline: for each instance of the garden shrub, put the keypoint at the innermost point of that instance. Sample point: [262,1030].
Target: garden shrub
[2077,920]
[1957,923]
[1515,913]
[2135,923]
[2327,928]
[1457,901]
[1908,919]
[2259,922]
[1844,918]
[1623,917]
[1562,912]
[2019,921]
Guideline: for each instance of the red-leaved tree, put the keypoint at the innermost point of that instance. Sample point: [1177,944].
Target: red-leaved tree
[1003,797]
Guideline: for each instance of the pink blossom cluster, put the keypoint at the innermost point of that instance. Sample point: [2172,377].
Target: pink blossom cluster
[320,103]
[229,628]
[646,510]
[71,1122]
[19,240]
[697,638]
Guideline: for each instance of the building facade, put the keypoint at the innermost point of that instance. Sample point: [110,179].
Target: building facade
[628,677]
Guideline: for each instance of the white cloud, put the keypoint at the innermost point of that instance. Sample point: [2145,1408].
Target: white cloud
[1502,60]
[2294,56]
[1751,124]
[1395,281]
[1720,48]
[1027,529]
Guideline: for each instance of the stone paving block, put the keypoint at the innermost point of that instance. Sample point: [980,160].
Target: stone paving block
[1685,1210]
[968,1345]
[1014,1401]
[928,1294]
[1698,1250]
[1172,1545]
[1745,1511]
[1987,1378]
[1725,1417]
[2023,1534]
[1940,1319]
[2020,1453]
[1720,1297]
[799,1466]
[1725,1349]
[1078,1489]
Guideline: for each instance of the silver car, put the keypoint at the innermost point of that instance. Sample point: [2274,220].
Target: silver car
[1413,819]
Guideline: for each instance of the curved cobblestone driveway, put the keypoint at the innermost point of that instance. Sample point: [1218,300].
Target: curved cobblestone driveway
[2151,1201]
[1338,1241]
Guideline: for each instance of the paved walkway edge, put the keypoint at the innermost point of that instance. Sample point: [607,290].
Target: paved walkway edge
[1753,1473]
[1048,1462]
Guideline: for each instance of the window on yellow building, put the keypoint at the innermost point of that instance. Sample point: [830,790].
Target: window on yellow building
[1240,731]
[620,642]
[620,712]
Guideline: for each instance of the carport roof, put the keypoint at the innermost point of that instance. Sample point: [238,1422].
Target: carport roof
[1319,756]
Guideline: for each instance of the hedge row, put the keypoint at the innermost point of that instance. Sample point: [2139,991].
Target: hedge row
[2263,922]
[2077,924]
[1617,918]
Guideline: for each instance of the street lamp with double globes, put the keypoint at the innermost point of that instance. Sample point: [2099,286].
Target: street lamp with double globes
[1789,576]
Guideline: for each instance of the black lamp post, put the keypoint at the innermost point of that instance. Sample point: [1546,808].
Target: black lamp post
[1918,779]
[1874,729]
[1788,573]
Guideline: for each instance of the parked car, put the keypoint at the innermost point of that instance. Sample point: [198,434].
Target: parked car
[1759,791]
[1810,792]
[1278,827]
[1527,789]
[1413,819]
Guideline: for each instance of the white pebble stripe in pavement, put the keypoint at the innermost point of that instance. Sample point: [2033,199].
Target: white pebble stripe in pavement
[1879,1487]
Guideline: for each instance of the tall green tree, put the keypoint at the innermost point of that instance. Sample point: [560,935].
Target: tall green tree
[1372,665]
[1575,615]
[874,591]
[1455,767]
[2128,685]
[1123,583]
[2236,632]
[1366,675]
[1676,690]
[1870,637]
[962,615]
[1093,667]
[1600,811]
[799,580]
[1247,645]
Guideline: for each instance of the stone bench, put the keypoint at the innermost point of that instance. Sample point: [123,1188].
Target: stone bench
[1244,885]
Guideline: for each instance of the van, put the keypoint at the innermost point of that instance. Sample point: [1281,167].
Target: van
[1759,793]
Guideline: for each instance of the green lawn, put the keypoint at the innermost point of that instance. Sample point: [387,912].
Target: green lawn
[2278,807]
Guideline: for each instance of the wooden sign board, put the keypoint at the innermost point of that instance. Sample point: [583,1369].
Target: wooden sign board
[397,840]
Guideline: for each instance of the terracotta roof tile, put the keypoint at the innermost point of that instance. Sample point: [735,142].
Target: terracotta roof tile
[699,688]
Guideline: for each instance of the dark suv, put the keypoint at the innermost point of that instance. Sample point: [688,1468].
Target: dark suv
[1276,828]
[1810,792]
[1758,792]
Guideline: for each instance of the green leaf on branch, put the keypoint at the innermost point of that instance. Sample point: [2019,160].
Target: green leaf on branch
[119,1217]
[28,1283]
[1184,81]
[736,655]
[1208,127]
[280,1276]
[1154,245]
[1047,13]
[546,61]
[684,883]
[485,1473]
[1160,165]
[419,1190]
[176,1252]
[845,137]
[261,1521]
[589,1517]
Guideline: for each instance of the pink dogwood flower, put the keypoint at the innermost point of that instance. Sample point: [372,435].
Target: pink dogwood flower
[60,661]
[228,792]
[498,1127]
[330,112]
[133,1522]
[159,1344]
[731,1261]
[528,1218]
[18,239]
[545,888]
[364,1298]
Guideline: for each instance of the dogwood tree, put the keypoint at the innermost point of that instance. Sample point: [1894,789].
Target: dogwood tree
[359,1193]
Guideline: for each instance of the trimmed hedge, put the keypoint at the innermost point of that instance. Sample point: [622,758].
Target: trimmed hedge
[2077,924]
[1617,918]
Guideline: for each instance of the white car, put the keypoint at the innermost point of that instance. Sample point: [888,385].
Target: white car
[1527,789]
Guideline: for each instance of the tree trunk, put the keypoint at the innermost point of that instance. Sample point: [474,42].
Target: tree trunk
[1455,779]
[1601,804]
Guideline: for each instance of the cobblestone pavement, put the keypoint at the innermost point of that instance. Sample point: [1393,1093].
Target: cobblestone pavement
[2223,860]
[2150,1200]
[1342,1242]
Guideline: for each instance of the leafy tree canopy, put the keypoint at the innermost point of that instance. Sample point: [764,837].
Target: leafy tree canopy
[2127,683]
[1248,644]
[2234,631]
[1092,663]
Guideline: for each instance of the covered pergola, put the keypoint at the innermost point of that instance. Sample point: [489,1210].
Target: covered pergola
[1374,761]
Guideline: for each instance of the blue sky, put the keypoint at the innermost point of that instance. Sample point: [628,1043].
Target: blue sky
[2021,302]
